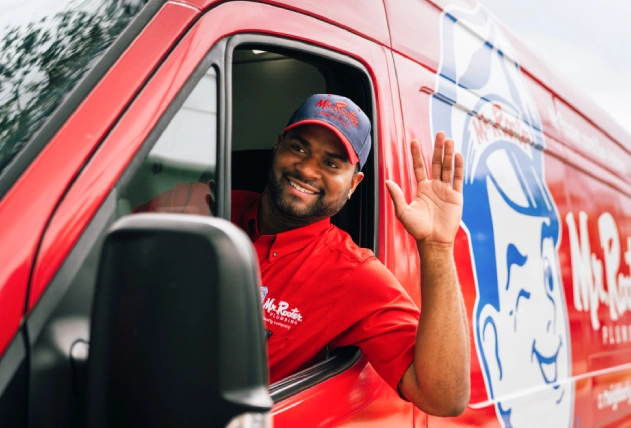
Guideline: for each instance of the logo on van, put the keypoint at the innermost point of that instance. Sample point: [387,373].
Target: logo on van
[520,320]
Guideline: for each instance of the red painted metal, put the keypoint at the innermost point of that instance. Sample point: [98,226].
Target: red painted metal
[366,18]
[357,397]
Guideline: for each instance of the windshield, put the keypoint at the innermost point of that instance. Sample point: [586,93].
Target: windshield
[46,46]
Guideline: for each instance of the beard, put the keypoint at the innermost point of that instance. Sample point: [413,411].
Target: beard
[319,208]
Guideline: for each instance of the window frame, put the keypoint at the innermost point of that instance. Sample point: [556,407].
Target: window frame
[369,197]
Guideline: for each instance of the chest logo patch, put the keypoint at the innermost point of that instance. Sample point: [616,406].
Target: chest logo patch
[280,314]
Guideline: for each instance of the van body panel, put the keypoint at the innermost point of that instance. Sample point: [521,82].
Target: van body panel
[544,248]
[363,17]
[345,397]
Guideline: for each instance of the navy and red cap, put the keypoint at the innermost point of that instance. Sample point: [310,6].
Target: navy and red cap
[342,116]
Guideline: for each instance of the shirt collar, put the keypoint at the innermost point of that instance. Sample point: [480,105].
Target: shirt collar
[297,239]
[284,242]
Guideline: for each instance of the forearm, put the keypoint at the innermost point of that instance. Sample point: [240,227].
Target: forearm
[441,362]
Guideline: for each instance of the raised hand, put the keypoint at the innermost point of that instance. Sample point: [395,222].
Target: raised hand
[433,216]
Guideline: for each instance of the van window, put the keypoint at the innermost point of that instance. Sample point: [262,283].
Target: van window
[268,84]
[178,174]
[46,47]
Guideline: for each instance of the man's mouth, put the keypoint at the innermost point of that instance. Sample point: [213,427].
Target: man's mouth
[547,365]
[300,188]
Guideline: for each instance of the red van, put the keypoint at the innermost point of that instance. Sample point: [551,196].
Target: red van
[104,105]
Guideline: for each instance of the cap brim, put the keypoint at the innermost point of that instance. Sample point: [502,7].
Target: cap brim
[350,151]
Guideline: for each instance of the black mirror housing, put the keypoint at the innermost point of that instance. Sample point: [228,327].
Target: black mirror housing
[177,333]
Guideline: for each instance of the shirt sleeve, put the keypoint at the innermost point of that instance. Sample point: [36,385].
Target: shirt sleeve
[388,320]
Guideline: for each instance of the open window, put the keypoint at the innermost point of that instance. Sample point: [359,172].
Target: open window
[269,78]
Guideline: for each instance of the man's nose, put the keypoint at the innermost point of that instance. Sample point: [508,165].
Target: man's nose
[309,167]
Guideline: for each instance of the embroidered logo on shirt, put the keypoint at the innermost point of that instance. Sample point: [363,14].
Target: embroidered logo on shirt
[280,314]
[264,291]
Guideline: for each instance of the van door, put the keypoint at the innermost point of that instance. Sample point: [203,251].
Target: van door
[192,119]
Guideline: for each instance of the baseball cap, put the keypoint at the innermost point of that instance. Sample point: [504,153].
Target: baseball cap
[342,116]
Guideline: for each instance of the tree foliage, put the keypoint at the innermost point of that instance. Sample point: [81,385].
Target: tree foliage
[41,62]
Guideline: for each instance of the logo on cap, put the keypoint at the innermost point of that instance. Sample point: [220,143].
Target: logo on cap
[342,113]
[342,116]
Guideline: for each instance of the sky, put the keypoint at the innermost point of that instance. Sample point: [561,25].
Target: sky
[586,41]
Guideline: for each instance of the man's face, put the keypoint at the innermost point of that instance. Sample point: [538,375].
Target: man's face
[311,176]
[525,343]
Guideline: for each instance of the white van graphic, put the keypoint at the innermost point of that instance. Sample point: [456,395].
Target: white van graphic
[520,319]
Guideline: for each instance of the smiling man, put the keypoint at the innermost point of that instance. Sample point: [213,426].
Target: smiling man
[319,289]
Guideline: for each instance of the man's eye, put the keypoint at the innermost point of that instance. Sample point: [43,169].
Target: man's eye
[297,148]
[331,164]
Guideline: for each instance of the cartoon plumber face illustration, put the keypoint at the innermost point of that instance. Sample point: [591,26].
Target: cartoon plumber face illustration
[520,318]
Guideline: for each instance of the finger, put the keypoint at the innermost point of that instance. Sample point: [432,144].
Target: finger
[437,156]
[448,160]
[417,161]
[397,197]
[458,172]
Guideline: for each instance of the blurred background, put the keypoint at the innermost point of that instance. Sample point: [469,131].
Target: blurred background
[586,41]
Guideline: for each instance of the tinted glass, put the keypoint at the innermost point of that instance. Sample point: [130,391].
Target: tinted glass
[178,174]
[46,46]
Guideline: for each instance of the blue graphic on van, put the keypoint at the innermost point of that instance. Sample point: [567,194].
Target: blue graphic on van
[520,320]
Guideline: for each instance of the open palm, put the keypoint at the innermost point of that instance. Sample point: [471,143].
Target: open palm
[433,216]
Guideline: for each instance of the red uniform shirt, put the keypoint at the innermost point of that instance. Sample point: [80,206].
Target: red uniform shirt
[318,288]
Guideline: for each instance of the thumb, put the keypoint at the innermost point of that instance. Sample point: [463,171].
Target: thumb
[397,197]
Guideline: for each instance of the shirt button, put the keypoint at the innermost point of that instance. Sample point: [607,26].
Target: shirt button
[274,254]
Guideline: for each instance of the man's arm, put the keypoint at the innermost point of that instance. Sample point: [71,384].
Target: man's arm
[437,382]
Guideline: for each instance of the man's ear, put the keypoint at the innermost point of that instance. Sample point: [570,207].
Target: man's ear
[278,141]
[357,178]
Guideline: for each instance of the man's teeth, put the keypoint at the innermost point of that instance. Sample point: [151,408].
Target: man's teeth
[301,189]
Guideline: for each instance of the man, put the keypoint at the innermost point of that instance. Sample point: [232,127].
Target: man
[320,289]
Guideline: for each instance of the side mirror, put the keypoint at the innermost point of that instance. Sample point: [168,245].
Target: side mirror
[177,333]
